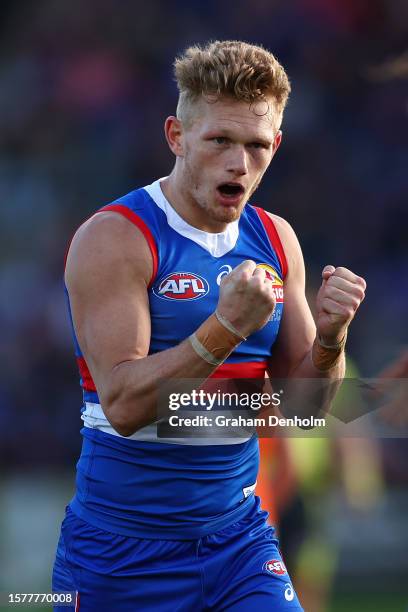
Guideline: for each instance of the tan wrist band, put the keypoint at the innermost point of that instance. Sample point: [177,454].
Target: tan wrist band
[213,341]
[228,325]
[324,356]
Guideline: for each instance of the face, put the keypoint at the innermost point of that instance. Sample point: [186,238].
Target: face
[225,152]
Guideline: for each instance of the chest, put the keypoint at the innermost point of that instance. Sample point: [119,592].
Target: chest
[186,291]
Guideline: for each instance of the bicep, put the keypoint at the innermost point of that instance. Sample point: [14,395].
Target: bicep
[107,272]
[296,335]
[297,329]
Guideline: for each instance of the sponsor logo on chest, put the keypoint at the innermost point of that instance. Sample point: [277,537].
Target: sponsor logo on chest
[191,286]
[272,274]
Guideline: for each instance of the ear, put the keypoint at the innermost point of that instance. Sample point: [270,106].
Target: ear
[173,130]
[276,142]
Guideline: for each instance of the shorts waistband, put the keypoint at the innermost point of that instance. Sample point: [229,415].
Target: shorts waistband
[180,532]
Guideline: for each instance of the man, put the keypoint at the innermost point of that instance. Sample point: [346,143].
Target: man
[184,279]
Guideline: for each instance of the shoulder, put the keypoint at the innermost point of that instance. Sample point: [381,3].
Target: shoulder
[285,230]
[290,243]
[108,241]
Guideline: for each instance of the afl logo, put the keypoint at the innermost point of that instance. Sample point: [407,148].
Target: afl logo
[182,286]
[275,566]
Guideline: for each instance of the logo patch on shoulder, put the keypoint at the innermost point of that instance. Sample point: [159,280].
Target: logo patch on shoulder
[275,566]
[182,286]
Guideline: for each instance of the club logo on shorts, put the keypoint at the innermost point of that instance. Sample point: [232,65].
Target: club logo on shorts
[275,566]
[182,286]
[272,274]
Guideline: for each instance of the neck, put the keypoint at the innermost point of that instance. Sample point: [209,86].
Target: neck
[178,195]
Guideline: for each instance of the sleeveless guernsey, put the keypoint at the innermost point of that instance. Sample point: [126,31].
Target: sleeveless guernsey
[150,487]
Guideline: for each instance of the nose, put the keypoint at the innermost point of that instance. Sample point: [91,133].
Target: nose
[237,162]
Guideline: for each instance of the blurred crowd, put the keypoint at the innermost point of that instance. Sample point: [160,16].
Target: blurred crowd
[85,88]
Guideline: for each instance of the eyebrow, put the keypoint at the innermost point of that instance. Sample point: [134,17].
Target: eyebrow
[225,133]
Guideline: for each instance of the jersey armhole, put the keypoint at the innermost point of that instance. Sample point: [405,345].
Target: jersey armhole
[274,239]
[140,224]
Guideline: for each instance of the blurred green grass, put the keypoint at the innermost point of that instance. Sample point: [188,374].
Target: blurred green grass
[369,602]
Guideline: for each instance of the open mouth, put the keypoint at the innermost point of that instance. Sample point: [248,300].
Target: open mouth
[230,190]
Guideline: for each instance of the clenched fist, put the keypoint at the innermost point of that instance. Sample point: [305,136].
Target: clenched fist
[247,299]
[338,299]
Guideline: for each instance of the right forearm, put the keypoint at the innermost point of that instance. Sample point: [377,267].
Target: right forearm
[129,396]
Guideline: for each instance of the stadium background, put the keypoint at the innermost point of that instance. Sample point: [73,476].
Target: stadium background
[84,90]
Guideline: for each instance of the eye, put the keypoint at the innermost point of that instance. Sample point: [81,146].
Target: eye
[220,140]
[259,145]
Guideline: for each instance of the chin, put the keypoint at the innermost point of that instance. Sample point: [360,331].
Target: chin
[226,215]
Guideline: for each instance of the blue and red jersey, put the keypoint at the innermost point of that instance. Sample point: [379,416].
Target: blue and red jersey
[145,486]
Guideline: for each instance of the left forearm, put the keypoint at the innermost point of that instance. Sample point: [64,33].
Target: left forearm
[311,364]
[314,382]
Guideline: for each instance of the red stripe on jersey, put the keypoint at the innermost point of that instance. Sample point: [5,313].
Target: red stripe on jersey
[274,238]
[136,220]
[249,369]
[87,382]
[77,602]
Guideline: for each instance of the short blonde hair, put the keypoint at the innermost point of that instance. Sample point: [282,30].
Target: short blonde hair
[232,68]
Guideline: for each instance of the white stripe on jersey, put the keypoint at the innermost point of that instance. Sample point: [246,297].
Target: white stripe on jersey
[94,417]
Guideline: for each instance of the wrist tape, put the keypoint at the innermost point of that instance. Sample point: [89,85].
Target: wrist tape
[324,356]
[214,341]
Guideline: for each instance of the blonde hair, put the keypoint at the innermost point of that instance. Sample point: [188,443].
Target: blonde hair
[232,68]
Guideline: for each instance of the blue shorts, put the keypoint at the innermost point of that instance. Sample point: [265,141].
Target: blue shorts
[237,569]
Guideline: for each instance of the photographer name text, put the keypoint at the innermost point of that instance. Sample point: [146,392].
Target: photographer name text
[223,421]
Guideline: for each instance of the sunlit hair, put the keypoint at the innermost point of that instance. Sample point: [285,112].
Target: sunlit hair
[232,68]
